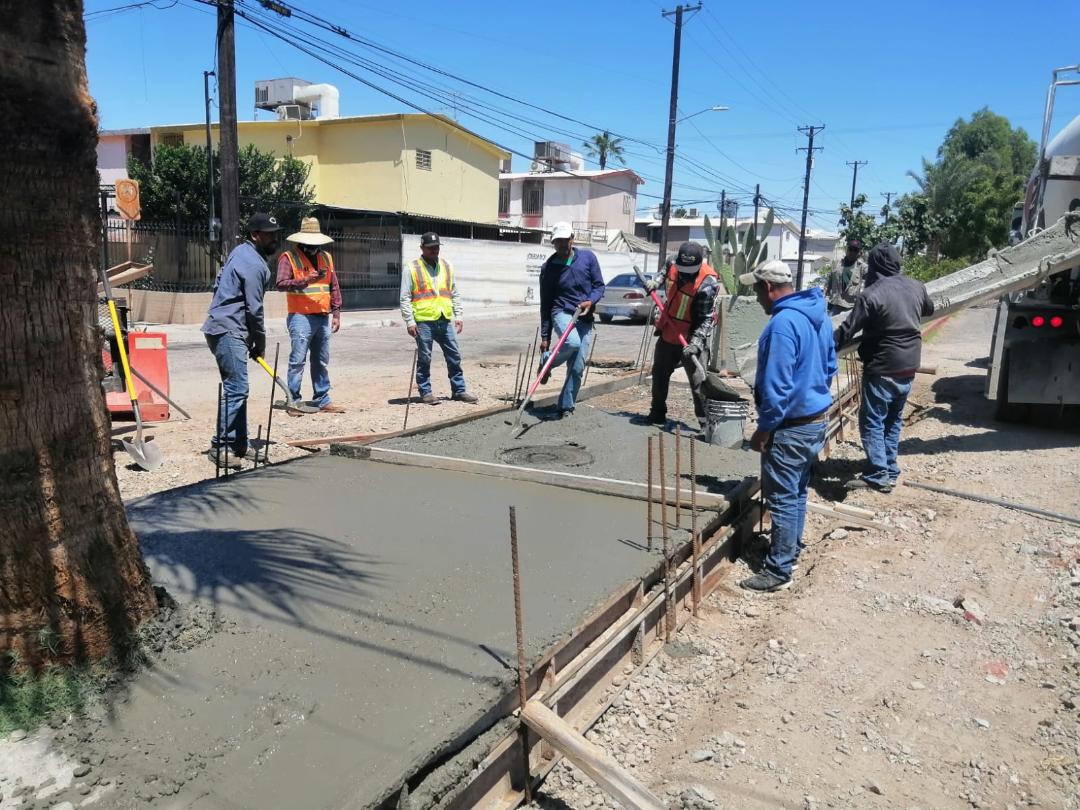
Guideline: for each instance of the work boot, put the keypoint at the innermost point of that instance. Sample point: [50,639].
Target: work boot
[654,418]
[330,407]
[429,399]
[862,483]
[217,458]
[765,582]
[465,396]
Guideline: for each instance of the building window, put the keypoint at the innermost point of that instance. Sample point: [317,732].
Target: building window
[173,139]
[504,197]
[423,159]
[532,198]
[627,204]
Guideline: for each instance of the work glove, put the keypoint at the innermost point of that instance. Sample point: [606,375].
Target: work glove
[653,284]
[690,351]
[258,345]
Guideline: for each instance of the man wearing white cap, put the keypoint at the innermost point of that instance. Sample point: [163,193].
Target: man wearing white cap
[306,275]
[570,281]
[795,366]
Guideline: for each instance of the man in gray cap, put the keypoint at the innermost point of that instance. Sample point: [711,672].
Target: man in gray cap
[795,366]
[431,309]
[235,330]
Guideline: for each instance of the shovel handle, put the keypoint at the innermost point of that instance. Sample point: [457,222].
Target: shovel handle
[656,300]
[123,351]
[266,367]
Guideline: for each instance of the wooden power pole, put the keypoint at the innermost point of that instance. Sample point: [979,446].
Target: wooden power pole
[810,132]
[228,147]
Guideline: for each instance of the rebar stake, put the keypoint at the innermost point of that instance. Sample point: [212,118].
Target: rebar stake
[217,448]
[664,535]
[517,385]
[588,360]
[519,630]
[408,397]
[226,431]
[694,536]
[270,416]
[678,475]
[649,493]
[258,444]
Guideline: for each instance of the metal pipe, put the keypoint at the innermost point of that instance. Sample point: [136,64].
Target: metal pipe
[694,536]
[408,397]
[1031,510]
[649,491]
[270,417]
[678,475]
[519,631]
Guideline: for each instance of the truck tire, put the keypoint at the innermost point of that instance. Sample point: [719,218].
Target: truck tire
[1006,411]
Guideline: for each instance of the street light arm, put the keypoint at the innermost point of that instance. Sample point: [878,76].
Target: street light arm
[717,108]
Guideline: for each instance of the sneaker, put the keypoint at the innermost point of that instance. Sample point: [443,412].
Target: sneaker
[465,396]
[765,582]
[862,483]
[330,407]
[429,399]
[217,458]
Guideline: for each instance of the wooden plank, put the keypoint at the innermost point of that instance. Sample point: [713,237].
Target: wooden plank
[615,780]
[582,483]
[843,517]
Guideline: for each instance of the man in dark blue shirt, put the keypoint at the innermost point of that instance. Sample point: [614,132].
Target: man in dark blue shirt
[570,282]
[235,329]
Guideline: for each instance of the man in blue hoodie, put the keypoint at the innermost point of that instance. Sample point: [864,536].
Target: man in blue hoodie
[796,364]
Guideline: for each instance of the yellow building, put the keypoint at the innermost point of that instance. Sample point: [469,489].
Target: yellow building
[409,162]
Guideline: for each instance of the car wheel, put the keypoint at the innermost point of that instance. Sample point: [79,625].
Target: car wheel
[606,318]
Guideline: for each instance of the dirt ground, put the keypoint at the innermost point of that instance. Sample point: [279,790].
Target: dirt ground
[863,686]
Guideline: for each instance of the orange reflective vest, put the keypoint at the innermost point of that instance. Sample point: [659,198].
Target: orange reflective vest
[432,298]
[678,308]
[314,299]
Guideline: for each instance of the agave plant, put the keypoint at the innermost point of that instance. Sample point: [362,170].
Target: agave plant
[745,255]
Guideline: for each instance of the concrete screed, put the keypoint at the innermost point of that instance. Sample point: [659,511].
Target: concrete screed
[356,597]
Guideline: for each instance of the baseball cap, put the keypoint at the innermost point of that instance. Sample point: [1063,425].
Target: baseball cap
[690,257]
[261,222]
[429,239]
[561,230]
[773,271]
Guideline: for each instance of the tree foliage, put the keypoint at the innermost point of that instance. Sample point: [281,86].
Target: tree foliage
[603,146]
[174,186]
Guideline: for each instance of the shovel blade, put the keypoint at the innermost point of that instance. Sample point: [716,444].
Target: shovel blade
[146,454]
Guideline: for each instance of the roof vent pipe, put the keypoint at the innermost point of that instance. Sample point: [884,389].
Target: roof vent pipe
[326,95]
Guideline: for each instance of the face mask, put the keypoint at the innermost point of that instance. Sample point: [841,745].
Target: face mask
[267,248]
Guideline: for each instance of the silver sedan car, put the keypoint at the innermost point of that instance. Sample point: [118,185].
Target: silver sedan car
[624,297]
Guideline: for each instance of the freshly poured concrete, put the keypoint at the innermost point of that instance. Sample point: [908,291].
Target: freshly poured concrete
[596,443]
[358,599]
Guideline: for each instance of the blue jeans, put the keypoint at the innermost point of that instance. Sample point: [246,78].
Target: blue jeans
[441,332]
[574,352]
[231,353]
[309,333]
[883,400]
[785,475]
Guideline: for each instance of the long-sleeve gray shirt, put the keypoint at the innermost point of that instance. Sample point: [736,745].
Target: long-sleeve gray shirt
[406,292]
[237,306]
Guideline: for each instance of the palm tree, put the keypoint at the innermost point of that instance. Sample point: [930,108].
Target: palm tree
[602,146]
[73,585]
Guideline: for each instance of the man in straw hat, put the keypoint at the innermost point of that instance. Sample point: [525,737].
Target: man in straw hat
[306,275]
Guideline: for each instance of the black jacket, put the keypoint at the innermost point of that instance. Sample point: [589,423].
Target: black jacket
[888,312]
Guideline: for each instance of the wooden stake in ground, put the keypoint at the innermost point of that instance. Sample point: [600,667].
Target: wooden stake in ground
[519,632]
[615,780]
[694,536]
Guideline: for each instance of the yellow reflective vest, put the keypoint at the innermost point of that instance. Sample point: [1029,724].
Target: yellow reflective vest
[432,298]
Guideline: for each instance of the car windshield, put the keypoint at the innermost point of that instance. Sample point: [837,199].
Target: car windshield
[626,280]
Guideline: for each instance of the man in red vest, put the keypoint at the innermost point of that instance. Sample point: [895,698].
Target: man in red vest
[306,275]
[684,325]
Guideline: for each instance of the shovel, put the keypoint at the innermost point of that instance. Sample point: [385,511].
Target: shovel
[298,406]
[144,453]
[711,384]
[544,370]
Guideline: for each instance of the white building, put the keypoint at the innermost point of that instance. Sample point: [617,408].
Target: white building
[597,203]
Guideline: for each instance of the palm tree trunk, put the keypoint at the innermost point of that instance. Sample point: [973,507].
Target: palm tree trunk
[73,585]
[603,159]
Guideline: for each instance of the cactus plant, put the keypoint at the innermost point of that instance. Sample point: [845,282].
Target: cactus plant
[744,257]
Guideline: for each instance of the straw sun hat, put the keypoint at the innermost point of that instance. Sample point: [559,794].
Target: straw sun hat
[309,233]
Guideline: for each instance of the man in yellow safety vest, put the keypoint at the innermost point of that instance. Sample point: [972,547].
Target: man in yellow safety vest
[684,326]
[306,275]
[431,309]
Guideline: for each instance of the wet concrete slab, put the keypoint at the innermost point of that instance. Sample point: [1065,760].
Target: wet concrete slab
[593,441]
[367,622]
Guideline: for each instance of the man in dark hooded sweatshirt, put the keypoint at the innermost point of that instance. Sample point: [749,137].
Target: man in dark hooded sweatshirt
[888,312]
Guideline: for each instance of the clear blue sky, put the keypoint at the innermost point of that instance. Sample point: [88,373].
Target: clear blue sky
[886,79]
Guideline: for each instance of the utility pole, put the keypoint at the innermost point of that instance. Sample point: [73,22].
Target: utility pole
[228,148]
[723,222]
[757,203]
[888,195]
[854,174]
[206,74]
[810,132]
[673,112]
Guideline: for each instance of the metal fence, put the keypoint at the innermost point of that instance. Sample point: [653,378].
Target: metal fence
[185,260]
